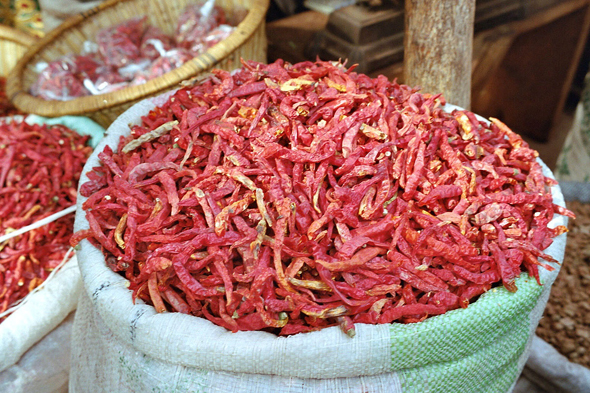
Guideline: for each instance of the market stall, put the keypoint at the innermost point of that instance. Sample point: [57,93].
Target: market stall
[287,222]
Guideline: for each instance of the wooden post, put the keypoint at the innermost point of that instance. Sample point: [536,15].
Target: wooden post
[438,46]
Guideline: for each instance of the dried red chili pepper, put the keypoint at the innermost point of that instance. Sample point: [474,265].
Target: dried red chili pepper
[39,170]
[293,197]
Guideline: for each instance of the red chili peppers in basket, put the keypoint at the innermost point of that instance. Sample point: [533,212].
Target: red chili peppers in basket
[39,170]
[290,198]
[132,52]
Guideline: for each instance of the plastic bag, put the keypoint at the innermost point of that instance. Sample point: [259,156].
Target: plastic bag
[197,22]
[59,80]
[211,38]
[125,346]
[166,63]
[104,80]
[131,53]
[155,43]
[119,45]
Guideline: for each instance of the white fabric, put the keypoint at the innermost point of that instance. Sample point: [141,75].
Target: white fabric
[103,363]
[43,368]
[43,311]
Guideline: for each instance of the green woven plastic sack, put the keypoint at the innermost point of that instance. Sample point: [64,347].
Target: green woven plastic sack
[126,347]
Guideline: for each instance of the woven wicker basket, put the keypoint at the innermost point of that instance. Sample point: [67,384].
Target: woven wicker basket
[13,44]
[248,41]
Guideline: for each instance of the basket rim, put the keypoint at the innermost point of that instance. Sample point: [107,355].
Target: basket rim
[22,99]
[20,37]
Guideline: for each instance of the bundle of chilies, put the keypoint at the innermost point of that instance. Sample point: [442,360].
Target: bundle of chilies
[290,198]
[39,170]
[131,53]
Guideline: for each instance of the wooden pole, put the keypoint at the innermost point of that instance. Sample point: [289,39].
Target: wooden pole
[438,46]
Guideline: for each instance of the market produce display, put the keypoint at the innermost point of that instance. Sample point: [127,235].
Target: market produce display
[290,198]
[39,170]
[131,53]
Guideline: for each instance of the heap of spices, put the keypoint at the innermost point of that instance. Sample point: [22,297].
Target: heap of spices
[39,170]
[289,198]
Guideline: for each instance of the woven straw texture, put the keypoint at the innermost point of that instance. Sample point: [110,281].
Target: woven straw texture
[248,41]
[13,44]
[130,347]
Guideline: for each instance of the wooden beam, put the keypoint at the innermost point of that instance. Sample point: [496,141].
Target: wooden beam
[438,47]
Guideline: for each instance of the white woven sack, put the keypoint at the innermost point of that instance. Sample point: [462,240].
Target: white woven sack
[125,347]
[35,338]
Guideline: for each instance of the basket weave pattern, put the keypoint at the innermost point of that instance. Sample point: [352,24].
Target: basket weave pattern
[248,41]
[13,44]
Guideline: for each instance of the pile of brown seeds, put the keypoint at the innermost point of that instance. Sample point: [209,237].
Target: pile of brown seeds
[566,322]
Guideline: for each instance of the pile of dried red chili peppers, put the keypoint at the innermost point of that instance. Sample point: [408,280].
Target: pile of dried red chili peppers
[39,170]
[289,198]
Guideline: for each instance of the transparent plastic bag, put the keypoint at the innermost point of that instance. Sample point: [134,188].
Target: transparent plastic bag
[169,61]
[155,43]
[131,53]
[120,45]
[217,35]
[105,83]
[196,22]
[59,80]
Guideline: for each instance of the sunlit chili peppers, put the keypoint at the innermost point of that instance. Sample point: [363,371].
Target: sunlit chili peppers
[290,198]
[39,170]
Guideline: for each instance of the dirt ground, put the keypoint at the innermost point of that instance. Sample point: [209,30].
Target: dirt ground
[566,321]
